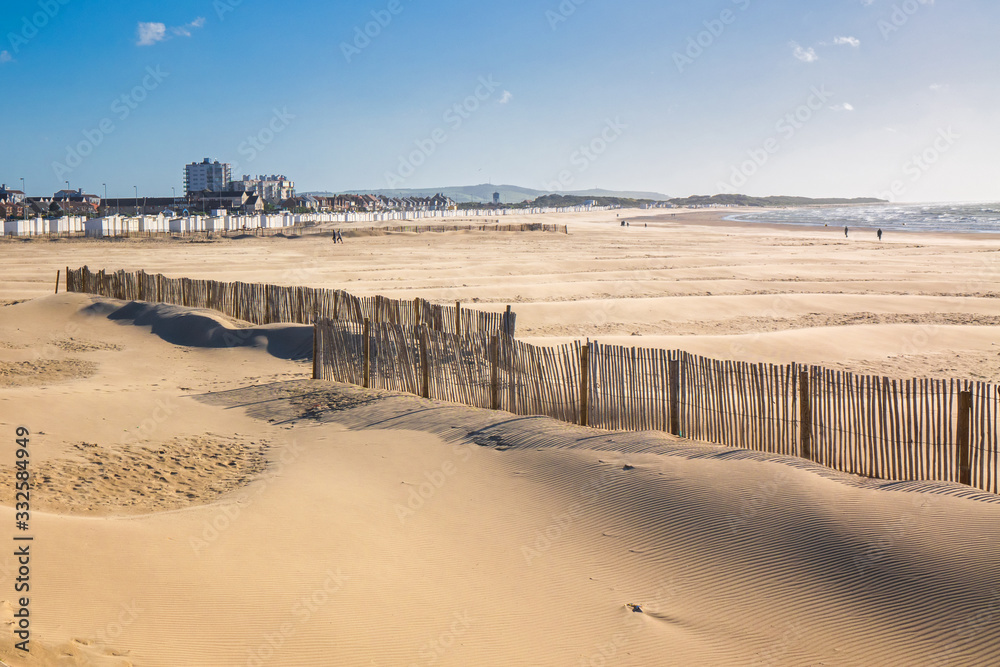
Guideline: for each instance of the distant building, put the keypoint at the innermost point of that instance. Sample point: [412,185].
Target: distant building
[303,201]
[10,196]
[11,203]
[232,200]
[76,196]
[206,175]
[272,189]
[496,198]
[140,206]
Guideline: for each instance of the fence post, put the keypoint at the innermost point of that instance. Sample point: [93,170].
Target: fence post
[425,371]
[416,312]
[506,322]
[674,373]
[585,385]
[316,348]
[458,318]
[58,273]
[805,417]
[495,372]
[964,439]
[367,354]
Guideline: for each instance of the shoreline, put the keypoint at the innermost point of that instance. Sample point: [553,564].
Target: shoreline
[717,218]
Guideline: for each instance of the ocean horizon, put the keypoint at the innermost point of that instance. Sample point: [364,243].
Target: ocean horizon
[965,217]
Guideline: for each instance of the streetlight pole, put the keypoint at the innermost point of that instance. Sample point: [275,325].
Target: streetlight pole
[24,200]
[136,200]
[105,198]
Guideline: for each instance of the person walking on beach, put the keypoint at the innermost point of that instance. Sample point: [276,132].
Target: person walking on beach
[337,238]
[845,231]
[879,232]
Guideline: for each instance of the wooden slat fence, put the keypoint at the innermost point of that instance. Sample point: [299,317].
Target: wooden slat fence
[867,425]
[267,304]
[422,229]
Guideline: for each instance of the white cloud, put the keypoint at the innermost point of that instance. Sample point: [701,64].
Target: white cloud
[185,30]
[806,55]
[5,57]
[845,106]
[151,33]
[506,97]
[937,87]
[847,41]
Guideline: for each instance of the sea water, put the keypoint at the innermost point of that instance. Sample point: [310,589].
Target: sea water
[964,218]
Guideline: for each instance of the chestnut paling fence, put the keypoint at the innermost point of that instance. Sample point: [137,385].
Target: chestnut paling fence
[910,429]
[917,429]
[268,304]
[423,229]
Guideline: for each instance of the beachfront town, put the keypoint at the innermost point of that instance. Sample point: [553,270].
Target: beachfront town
[213,202]
[208,187]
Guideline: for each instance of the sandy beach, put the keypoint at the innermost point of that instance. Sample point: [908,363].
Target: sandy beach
[199,505]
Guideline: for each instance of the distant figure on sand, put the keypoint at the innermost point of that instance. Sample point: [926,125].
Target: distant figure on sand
[845,231]
[879,232]
[337,238]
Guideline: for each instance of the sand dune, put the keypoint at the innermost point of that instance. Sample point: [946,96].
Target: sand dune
[199,501]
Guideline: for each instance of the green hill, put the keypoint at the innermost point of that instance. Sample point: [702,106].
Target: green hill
[509,194]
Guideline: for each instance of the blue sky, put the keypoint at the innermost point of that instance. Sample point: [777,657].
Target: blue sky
[896,98]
